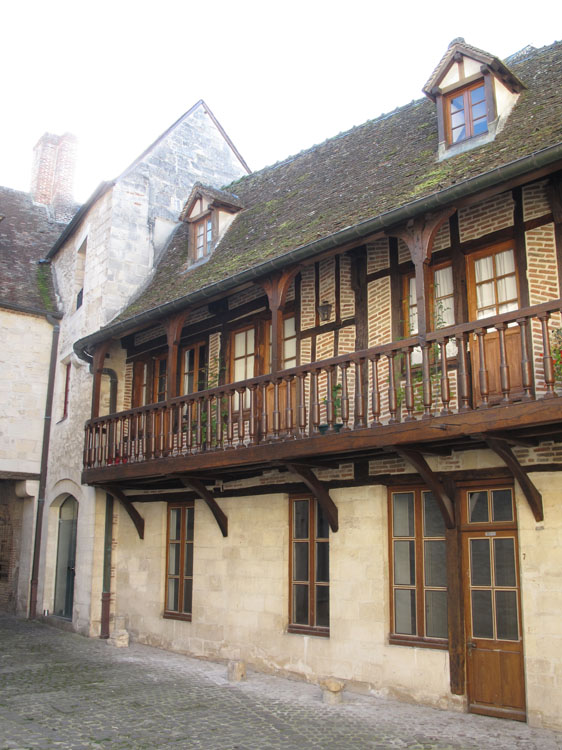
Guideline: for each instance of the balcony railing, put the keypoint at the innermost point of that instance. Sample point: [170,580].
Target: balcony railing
[452,370]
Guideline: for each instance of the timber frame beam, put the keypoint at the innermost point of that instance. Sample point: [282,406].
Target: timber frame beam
[319,491]
[502,449]
[133,513]
[433,482]
[199,488]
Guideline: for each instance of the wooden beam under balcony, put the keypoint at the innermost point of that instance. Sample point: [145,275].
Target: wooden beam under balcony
[201,491]
[319,491]
[433,482]
[502,449]
[132,512]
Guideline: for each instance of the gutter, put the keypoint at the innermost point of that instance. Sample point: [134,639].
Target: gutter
[383,221]
[53,320]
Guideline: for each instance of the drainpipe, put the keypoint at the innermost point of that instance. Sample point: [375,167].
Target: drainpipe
[54,321]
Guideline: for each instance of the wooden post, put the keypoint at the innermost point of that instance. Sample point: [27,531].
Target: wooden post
[455,600]
[276,287]
[97,368]
[173,328]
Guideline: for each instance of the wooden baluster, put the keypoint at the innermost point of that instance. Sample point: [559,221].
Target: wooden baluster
[241,425]
[359,417]
[375,394]
[504,366]
[122,449]
[301,405]
[198,426]
[483,372]
[426,383]
[344,397]
[463,384]
[264,425]
[445,382]
[276,418]
[392,400]
[219,418]
[252,431]
[549,377]
[230,420]
[329,398]
[409,386]
[189,426]
[314,403]
[209,423]
[289,414]
[526,366]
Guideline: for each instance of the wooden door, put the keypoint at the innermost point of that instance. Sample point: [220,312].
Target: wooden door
[493,288]
[494,641]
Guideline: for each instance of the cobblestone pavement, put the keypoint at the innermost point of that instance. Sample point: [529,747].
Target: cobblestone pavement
[61,690]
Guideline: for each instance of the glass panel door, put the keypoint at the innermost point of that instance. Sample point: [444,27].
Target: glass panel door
[66,558]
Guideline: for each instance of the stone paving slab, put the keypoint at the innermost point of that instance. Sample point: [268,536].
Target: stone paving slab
[61,690]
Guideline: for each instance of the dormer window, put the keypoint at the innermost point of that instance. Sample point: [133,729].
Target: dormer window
[474,93]
[208,212]
[203,237]
[466,113]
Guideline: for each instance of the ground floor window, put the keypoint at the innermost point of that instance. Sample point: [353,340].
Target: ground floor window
[179,561]
[418,569]
[309,555]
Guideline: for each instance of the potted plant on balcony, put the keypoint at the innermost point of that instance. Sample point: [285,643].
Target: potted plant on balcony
[336,401]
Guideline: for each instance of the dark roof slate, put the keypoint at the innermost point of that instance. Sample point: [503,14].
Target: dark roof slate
[358,175]
[26,234]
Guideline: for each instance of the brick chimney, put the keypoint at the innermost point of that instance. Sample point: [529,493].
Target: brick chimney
[52,179]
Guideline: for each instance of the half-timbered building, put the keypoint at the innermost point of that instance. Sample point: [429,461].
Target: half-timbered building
[326,437]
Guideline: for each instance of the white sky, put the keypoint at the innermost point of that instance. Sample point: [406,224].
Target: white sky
[279,77]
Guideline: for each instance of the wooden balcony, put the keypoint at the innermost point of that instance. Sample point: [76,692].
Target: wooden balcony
[447,391]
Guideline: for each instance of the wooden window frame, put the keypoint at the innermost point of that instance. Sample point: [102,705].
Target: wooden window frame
[184,507]
[471,273]
[464,91]
[197,367]
[149,384]
[399,639]
[311,628]
[207,222]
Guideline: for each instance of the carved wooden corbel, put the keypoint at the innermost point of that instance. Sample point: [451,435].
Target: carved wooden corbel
[199,488]
[276,287]
[502,449]
[319,491]
[133,513]
[433,482]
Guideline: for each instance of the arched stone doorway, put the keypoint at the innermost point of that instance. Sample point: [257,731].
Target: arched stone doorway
[66,558]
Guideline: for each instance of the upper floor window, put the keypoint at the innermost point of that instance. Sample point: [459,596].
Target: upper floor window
[194,368]
[203,237]
[466,113]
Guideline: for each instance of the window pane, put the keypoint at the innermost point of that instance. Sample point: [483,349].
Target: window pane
[482,623]
[506,616]
[507,289]
[240,344]
[459,134]
[300,561]
[505,263]
[457,103]
[481,573]
[187,595]
[485,295]
[502,506]
[190,514]
[480,126]
[484,269]
[322,525]
[403,513]
[188,560]
[323,606]
[173,590]
[478,111]
[300,604]
[322,562]
[457,119]
[477,95]
[478,507]
[250,339]
[435,563]
[433,523]
[405,611]
[504,562]
[239,370]
[300,519]
[175,523]
[404,563]
[174,559]
[289,327]
[436,614]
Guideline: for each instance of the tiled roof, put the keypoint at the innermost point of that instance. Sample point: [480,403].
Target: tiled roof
[359,175]
[26,234]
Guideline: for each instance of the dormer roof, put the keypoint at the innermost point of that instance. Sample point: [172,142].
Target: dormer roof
[457,49]
[216,199]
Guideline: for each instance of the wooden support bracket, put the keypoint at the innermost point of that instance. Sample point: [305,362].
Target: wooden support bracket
[199,488]
[502,449]
[433,482]
[319,491]
[134,515]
